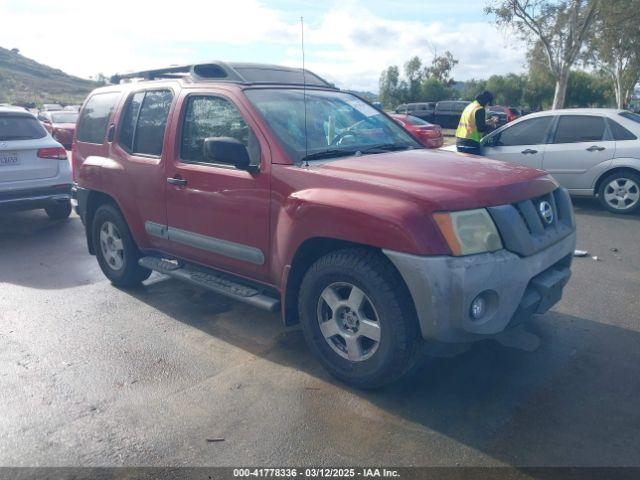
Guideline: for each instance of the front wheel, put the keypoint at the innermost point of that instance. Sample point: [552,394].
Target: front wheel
[115,249]
[358,318]
[620,192]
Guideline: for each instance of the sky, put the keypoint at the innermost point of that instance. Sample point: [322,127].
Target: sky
[348,42]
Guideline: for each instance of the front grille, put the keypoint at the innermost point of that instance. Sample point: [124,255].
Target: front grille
[523,227]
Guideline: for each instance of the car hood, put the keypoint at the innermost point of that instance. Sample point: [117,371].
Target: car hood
[447,181]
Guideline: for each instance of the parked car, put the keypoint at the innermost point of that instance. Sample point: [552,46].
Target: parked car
[72,108]
[510,113]
[428,134]
[313,203]
[501,118]
[34,170]
[423,110]
[591,152]
[50,107]
[447,113]
[60,124]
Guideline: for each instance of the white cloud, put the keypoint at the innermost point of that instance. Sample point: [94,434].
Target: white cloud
[361,44]
[348,43]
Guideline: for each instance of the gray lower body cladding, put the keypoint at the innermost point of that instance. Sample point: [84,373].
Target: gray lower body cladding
[515,287]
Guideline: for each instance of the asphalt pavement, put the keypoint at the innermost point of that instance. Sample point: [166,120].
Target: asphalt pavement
[91,375]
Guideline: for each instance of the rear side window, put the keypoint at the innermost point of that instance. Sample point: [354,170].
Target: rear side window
[213,117]
[145,121]
[92,125]
[579,128]
[529,132]
[619,132]
[20,127]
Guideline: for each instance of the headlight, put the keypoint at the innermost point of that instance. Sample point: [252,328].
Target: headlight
[469,231]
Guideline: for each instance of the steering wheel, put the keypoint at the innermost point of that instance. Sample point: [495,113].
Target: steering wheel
[346,132]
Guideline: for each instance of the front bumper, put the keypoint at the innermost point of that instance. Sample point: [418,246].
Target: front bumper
[516,287]
[34,198]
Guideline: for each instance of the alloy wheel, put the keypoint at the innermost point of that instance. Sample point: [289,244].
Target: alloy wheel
[622,193]
[348,321]
[111,245]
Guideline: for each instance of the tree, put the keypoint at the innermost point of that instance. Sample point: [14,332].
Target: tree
[434,90]
[560,27]
[588,90]
[616,46]
[389,83]
[413,74]
[539,89]
[441,67]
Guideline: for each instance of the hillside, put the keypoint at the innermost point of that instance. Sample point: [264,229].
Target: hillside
[26,82]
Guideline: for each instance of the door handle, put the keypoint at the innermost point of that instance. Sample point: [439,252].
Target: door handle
[529,151]
[180,182]
[595,148]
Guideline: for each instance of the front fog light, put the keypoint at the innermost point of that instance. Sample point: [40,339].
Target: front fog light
[478,307]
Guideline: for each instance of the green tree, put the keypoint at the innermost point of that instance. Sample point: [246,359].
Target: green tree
[414,75]
[539,89]
[389,84]
[615,46]
[561,27]
[434,90]
[441,68]
[586,89]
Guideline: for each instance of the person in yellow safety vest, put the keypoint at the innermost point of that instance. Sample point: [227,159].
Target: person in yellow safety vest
[474,125]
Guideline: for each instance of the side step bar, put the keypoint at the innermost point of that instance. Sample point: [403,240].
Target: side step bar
[220,283]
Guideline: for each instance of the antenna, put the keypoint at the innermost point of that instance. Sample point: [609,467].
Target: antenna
[304,95]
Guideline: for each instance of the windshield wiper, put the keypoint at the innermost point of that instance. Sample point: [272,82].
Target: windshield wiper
[332,152]
[385,147]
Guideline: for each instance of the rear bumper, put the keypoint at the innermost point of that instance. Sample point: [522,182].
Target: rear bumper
[34,198]
[515,287]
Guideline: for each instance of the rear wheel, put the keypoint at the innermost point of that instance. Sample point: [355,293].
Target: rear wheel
[358,318]
[115,249]
[620,192]
[59,211]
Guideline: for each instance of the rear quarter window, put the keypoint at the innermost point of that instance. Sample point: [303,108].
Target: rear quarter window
[20,127]
[619,132]
[94,119]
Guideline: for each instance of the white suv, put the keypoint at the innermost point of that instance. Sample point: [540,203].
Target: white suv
[34,169]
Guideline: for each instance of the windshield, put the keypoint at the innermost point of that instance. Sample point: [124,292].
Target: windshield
[337,123]
[69,117]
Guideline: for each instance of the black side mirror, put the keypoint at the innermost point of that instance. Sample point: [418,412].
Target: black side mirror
[228,151]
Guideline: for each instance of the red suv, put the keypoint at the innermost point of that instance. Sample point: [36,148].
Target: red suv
[269,186]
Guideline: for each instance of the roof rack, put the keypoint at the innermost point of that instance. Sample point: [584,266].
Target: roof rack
[243,73]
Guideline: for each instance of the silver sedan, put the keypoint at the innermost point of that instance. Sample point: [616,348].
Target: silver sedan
[591,152]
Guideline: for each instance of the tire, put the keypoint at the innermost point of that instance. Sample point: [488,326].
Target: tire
[115,249]
[59,211]
[364,363]
[620,192]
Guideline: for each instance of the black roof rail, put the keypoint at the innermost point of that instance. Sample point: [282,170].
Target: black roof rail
[244,73]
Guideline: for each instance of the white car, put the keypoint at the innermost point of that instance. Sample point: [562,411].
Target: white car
[34,169]
[591,152]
